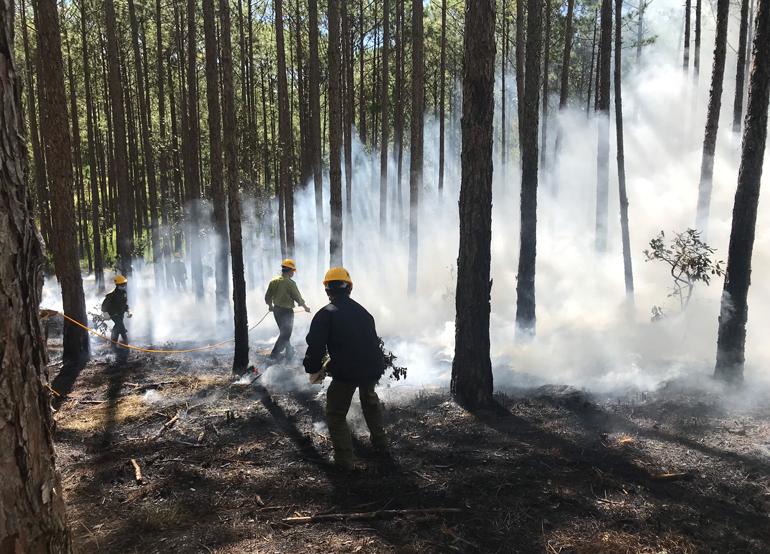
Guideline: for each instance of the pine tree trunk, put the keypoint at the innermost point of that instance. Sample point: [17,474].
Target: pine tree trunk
[628,271]
[192,157]
[712,118]
[284,132]
[348,108]
[241,322]
[471,384]
[32,516]
[416,143]
[398,115]
[41,187]
[125,225]
[335,136]
[384,110]
[696,55]
[603,124]
[315,129]
[441,101]
[361,77]
[593,60]
[302,104]
[564,86]
[740,72]
[268,172]
[520,38]
[58,155]
[734,312]
[163,150]
[525,288]
[93,170]
[149,157]
[84,248]
[546,75]
[215,157]
[503,89]
[686,58]
[640,32]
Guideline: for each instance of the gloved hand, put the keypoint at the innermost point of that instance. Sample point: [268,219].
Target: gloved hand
[269,308]
[317,378]
[106,316]
[306,309]
[130,315]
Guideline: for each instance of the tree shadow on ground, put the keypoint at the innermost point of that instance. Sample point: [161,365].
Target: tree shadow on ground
[614,468]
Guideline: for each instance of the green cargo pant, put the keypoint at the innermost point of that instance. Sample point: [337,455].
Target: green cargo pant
[338,398]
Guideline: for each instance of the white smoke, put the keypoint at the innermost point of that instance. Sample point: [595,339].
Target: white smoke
[585,337]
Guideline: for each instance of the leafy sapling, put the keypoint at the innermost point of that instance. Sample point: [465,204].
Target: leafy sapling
[690,261]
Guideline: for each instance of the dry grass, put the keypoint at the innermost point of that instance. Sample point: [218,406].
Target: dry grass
[95,417]
[618,542]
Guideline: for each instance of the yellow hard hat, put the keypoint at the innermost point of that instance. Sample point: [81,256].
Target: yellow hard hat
[289,264]
[337,274]
[120,280]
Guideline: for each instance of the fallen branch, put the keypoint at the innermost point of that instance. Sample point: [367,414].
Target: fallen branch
[379,514]
[166,425]
[138,387]
[670,476]
[137,471]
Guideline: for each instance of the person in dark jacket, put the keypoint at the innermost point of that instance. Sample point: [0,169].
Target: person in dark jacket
[346,332]
[115,305]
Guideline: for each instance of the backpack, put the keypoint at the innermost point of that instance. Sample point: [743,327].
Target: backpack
[108,304]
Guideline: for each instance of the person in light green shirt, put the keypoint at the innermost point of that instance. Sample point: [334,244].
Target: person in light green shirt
[281,296]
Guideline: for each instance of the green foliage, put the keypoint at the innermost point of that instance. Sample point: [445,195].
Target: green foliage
[689,260]
[396,372]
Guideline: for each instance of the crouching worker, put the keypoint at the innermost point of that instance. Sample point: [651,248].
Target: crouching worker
[115,306]
[346,331]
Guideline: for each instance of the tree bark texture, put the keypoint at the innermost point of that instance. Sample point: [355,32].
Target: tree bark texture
[192,152]
[696,54]
[147,148]
[603,124]
[41,186]
[284,131]
[712,118]
[416,145]
[315,128]
[628,272]
[384,110]
[216,166]
[335,135]
[471,384]
[734,311]
[520,38]
[93,168]
[32,516]
[241,321]
[125,224]
[442,100]
[686,56]
[58,155]
[740,71]
[525,287]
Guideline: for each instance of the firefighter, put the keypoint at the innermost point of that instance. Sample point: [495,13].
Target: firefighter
[179,272]
[346,332]
[115,307]
[281,296]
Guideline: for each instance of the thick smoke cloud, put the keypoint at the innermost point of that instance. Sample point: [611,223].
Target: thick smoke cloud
[586,336]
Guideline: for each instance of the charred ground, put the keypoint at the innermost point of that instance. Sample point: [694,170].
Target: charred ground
[549,470]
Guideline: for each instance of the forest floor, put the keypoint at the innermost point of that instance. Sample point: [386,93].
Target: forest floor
[551,469]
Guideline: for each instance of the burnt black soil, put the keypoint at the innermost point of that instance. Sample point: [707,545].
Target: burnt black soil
[548,470]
